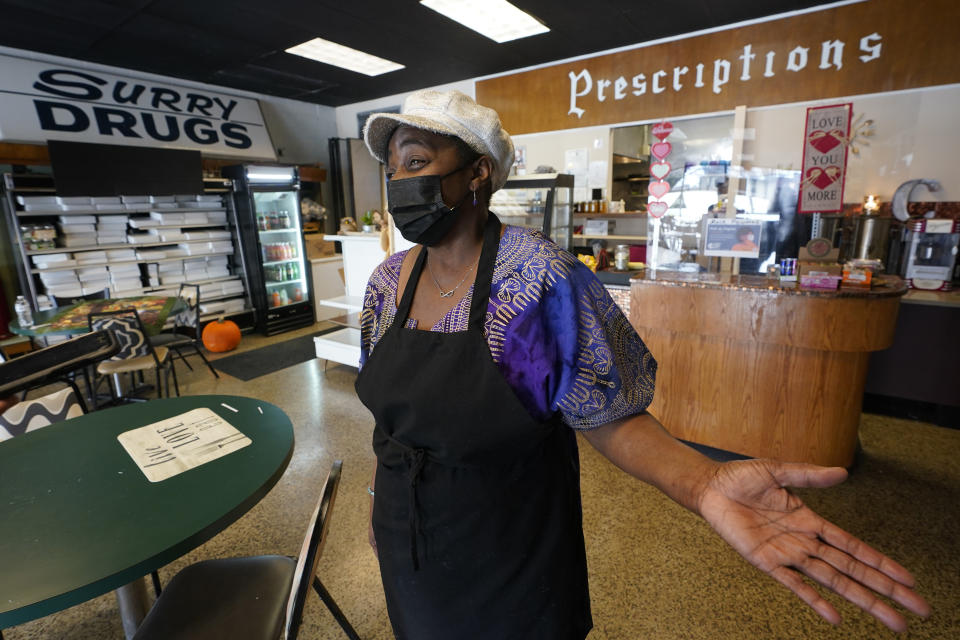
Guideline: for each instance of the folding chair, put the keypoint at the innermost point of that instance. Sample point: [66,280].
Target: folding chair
[186,328]
[252,598]
[136,353]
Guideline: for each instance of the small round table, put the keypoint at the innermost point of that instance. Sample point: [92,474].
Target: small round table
[78,518]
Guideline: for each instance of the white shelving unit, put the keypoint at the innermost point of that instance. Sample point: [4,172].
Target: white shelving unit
[19,196]
[361,255]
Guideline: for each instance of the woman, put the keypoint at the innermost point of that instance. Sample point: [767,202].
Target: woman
[744,240]
[477,390]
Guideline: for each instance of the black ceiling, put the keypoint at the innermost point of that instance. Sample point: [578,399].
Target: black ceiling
[240,43]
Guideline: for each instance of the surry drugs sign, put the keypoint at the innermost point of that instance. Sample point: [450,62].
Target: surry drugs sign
[42,101]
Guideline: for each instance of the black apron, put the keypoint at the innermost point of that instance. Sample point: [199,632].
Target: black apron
[477,512]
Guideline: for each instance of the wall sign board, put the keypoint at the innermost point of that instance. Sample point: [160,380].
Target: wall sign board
[866,47]
[825,143]
[42,101]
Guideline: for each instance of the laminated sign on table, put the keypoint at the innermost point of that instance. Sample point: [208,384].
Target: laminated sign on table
[164,449]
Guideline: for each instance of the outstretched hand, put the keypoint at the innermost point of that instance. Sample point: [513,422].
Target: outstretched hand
[747,504]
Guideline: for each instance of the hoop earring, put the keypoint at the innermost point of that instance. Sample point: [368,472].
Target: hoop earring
[474,197]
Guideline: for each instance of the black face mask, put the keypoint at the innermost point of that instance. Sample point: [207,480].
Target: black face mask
[418,208]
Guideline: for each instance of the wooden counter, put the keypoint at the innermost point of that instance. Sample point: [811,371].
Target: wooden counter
[751,367]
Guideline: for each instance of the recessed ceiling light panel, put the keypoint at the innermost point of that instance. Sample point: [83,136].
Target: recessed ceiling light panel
[497,19]
[344,57]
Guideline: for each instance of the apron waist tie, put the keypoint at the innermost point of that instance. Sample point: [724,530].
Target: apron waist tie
[415,459]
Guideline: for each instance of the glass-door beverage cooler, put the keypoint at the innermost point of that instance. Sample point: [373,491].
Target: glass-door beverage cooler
[268,211]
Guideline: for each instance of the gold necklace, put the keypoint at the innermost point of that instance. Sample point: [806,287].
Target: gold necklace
[447,294]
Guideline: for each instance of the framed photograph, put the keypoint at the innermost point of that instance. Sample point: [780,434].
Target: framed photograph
[732,238]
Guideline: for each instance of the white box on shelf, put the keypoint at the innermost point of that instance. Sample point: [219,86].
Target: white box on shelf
[151,254]
[212,307]
[121,254]
[79,240]
[233,305]
[144,223]
[86,274]
[59,277]
[65,291]
[167,218]
[124,268]
[91,257]
[74,228]
[49,258]
[75,200]
[38,200]
[163,198]
[77,219]
[134,199]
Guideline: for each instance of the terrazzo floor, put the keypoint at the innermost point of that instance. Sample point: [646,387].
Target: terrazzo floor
[656,571]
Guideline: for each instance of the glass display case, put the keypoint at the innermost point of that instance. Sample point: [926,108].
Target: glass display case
[541,201]
[268,209]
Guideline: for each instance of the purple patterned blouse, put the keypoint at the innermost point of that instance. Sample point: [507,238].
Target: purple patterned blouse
[559,339]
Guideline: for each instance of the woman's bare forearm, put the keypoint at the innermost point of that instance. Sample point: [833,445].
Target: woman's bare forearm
[642,447]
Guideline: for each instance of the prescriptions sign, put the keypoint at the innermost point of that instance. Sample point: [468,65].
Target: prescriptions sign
[42,101]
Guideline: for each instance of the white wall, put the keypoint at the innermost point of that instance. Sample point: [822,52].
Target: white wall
[916,135]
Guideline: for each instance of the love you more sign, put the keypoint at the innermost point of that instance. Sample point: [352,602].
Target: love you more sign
[825,144]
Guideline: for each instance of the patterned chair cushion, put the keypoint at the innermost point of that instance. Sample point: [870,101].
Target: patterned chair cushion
[39,412]
[133,343]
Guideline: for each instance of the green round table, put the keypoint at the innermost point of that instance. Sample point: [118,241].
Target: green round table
[78,518]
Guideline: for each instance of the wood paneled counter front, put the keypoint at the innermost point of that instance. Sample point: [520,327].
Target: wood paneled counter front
[762,370]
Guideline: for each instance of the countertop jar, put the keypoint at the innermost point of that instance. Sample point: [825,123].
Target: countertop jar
[621,257]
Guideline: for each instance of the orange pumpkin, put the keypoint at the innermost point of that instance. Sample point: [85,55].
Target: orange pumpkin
[222,335]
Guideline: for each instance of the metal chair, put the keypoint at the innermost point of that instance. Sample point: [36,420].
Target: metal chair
[136,353]
[186,328]
[252,598]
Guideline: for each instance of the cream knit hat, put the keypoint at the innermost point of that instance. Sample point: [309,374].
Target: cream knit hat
[448,113]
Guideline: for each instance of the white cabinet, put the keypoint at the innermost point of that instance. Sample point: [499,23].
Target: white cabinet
[361,255]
